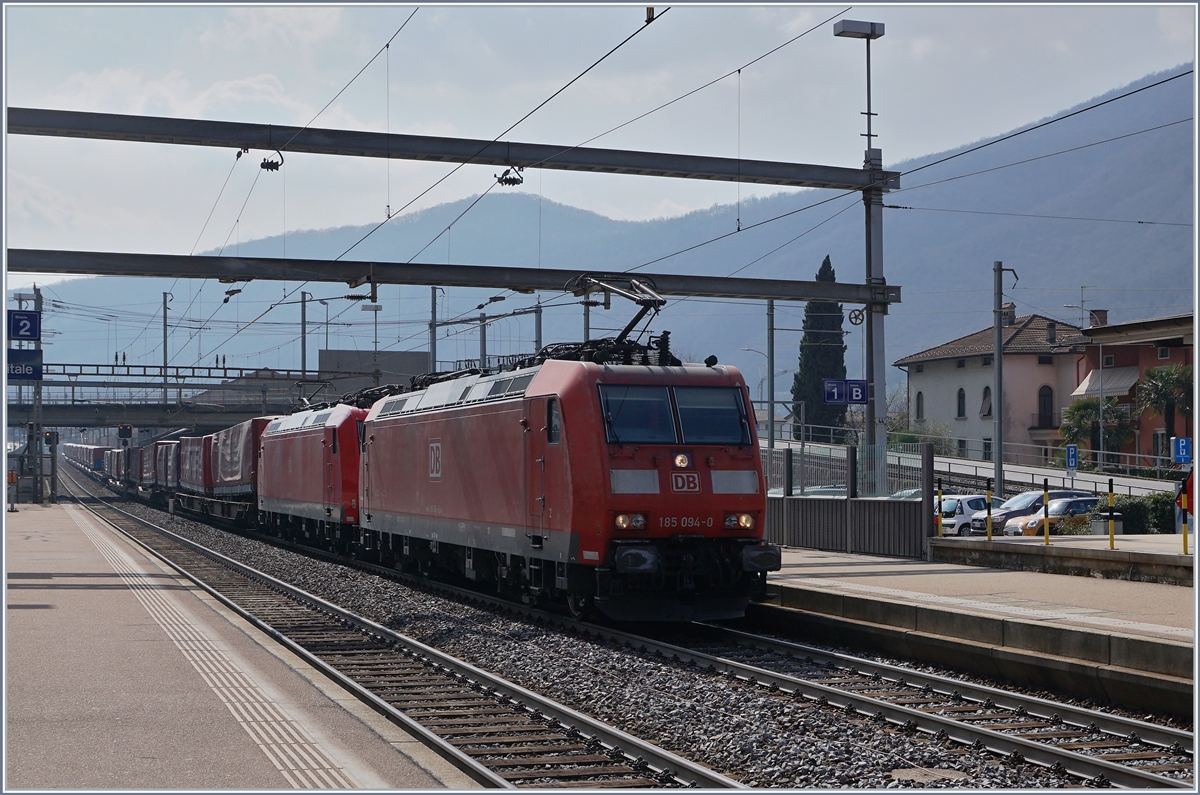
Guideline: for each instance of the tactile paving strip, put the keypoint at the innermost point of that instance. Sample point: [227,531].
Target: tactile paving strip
[281,739]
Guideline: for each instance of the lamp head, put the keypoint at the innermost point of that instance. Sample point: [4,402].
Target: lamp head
[853,29]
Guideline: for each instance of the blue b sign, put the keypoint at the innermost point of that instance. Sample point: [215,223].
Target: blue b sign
[856,392]
[1072,457]
[24,325]
[1181,449]
[835,391]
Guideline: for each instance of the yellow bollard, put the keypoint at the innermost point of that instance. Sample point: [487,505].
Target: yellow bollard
[1112,525]
[1046,508]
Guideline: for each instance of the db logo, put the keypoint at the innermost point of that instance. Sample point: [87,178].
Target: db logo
[435,459]
[685,481]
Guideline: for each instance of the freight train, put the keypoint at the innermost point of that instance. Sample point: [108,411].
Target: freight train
[586,475]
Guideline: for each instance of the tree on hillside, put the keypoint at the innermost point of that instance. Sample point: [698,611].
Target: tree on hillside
[822,355]
[1166,390]
[1081,424]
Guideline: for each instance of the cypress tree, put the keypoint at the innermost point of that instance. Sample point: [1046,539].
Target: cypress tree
[822,355]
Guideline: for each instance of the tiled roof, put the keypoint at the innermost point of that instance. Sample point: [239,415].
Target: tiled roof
[1027,335]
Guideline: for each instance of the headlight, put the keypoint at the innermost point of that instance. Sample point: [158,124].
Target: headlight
[682,460]
[631,521]
[739,521]
[1033,523]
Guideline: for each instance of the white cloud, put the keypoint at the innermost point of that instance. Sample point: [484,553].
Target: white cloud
[293,28]
[1177,24]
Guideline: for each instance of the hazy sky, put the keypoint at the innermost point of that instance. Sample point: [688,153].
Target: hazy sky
[942,76]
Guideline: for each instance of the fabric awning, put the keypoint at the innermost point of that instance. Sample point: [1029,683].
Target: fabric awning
[1117,382]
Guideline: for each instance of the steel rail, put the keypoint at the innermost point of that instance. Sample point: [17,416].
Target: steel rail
[1076,764]
[1113,724]
[1080,765]
[683,771]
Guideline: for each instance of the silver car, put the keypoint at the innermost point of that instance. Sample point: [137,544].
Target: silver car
[957,510]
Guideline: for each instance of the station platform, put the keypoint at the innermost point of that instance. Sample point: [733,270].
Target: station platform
[122,674]
[1118,640]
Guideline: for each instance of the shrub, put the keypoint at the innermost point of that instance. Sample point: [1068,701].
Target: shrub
[1135,514]
[1162,511]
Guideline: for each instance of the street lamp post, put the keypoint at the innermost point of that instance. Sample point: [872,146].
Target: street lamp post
[876,364]
[1100,381]
[325,304]
[305,297]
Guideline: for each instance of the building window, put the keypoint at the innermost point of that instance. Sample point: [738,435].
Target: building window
[1160,446]
[987,449]
[962,404]
[920,405]
[920,368]
[1164,353]
[985,408]
[961,363]
[1045,407]
[962,448]
[1045,360]
[987,360]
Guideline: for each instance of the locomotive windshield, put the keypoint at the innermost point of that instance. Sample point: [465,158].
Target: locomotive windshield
[711,415]
[647,414]
[638,414]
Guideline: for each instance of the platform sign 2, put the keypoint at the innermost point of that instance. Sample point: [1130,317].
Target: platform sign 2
[1181,449]
[834,390]
[24,365]
[24,325]
[1072,458]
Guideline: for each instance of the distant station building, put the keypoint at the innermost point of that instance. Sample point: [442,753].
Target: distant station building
[349,371]
[950,387]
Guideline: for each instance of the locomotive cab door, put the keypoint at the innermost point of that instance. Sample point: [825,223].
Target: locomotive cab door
[535,468]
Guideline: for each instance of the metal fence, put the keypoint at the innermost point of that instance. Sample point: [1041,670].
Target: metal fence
[893,528]
[892,471]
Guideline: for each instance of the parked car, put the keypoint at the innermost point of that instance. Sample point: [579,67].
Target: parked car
[1023,504]
[957,510]
[1060,510]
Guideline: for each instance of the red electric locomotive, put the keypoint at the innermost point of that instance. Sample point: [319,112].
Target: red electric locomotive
[308,474]
[633,488]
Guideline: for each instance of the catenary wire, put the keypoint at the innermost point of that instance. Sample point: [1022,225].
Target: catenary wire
[1034,215]
[915,170]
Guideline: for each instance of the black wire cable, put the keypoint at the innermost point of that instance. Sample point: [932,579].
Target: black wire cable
[501,135]
[356,76]
[915,170]
[220,193]
[1043,157]
[460,165]
[1034,215]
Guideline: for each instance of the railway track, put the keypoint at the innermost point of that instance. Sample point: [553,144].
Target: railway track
[1072,742]
[497,732]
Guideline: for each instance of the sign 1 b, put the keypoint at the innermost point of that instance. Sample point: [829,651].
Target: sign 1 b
[24,325]
[856,392]
[834,391]
[1181,449]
